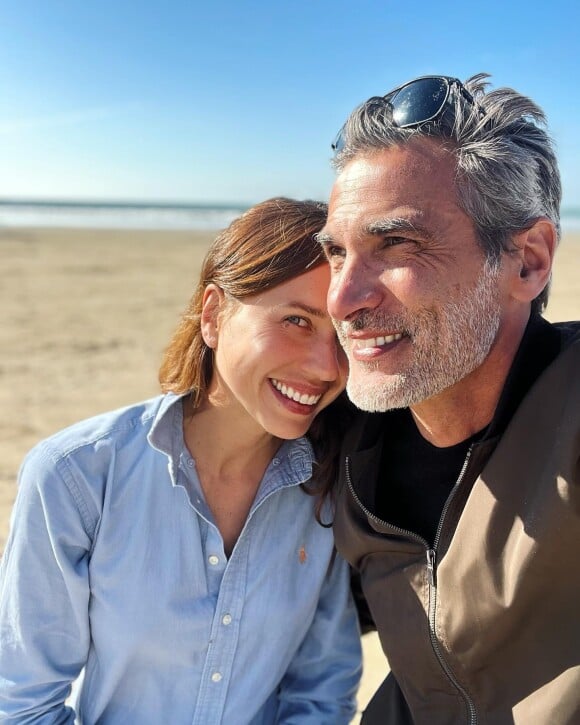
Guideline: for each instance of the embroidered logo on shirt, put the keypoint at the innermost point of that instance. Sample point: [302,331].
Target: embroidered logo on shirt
[302,555]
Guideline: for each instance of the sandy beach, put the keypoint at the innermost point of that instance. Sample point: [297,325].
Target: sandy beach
[85,317]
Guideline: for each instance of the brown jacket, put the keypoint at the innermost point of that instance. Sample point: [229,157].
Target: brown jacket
[484,626]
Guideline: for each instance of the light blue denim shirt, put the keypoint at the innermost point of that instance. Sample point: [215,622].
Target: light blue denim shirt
[115,570]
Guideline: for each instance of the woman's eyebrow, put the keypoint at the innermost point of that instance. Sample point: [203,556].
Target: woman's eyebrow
[314,311]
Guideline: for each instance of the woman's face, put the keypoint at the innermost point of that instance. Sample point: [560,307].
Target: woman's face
[277,360]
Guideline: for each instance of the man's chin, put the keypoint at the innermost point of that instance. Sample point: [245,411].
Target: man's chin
[378,393]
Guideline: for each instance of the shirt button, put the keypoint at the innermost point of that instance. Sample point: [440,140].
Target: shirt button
[275,461]
[214,560]
[227,619]
[216,677]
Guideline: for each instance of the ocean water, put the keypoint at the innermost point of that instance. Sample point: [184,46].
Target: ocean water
[117,215]
[570,219]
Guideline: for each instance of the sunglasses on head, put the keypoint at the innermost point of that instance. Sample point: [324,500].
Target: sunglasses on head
[419,101]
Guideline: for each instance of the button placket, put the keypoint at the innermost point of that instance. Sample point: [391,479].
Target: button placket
[227,581]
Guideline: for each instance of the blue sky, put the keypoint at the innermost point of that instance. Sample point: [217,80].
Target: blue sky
[239,101]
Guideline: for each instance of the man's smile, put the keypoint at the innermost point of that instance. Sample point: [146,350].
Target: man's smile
[368,343]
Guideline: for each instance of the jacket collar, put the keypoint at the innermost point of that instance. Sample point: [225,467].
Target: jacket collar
[540,345]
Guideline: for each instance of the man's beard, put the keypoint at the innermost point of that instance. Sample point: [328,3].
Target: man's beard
[446,345]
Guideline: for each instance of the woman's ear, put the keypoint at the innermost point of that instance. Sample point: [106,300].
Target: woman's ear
[211,305]
[535,254]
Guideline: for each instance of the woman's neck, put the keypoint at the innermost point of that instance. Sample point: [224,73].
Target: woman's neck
[231,458]
[225,442]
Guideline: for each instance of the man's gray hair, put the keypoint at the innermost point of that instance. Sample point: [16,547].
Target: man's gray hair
[507,172]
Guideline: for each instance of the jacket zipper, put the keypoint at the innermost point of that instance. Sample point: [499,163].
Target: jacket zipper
[370,515]
[431,568]
[431,554]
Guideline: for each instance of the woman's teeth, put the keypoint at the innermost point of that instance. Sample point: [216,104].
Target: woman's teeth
[295,395]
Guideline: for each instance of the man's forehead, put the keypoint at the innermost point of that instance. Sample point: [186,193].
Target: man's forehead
[396,167]
[372,207]
[400,186]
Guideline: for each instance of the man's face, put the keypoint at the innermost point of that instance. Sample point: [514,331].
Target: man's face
[416,307]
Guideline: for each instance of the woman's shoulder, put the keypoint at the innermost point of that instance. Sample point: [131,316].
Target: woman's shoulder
[82,455]
[111,427]
[74,466]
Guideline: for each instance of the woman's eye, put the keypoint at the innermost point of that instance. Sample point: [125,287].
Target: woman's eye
[297,320]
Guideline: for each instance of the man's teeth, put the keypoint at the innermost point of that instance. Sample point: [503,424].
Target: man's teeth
[289,392]
[379,341]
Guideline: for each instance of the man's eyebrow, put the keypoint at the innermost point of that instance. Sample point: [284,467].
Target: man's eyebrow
[397,224]
[323,238]
[381,226]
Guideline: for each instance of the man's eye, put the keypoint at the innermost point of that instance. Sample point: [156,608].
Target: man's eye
[333,250]
[394,241]
[297,320]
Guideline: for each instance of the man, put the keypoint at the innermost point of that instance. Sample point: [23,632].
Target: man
[459,499]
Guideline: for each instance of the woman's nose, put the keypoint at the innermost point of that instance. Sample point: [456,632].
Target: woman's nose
[328,360]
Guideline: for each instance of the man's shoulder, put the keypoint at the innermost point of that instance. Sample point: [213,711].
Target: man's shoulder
[569,353]
[569,332]
[558,386]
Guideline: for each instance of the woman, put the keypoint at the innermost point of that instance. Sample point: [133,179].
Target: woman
[173,551]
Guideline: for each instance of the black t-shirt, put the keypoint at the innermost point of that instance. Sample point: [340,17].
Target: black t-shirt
[416,477]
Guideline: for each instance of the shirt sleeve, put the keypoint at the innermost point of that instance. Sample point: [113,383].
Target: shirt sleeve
[44,594]
[320,685]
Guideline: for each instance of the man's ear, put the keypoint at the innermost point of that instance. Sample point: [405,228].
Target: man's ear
[211,305]
[533,259]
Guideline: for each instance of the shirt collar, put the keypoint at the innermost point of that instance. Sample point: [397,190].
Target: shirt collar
[292,464]
[540,345]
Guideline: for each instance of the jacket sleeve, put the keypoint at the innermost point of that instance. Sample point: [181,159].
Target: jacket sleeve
[44,594]
[320,685]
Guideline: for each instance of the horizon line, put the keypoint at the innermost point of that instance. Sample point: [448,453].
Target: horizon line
[121,203]
[157,203]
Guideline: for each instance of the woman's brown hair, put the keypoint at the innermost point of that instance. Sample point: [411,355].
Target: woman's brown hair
[269,244]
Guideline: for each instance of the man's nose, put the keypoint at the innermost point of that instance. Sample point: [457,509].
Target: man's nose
[353,288]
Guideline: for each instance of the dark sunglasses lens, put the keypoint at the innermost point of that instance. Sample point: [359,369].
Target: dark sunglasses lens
[419,101]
